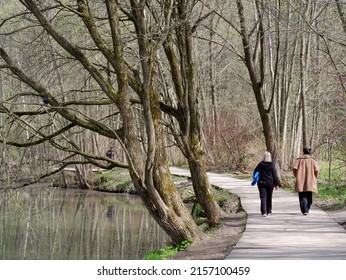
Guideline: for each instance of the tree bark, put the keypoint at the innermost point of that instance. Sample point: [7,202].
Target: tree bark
[257,77]
[188,117]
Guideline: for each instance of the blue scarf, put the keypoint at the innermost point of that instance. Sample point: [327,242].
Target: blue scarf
[255,178]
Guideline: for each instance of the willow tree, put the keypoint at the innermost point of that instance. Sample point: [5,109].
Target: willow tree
[120,70]
[178,47]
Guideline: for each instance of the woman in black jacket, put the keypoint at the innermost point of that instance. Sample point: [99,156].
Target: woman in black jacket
[268,180]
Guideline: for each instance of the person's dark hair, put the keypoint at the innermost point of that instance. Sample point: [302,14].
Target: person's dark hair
[306,151]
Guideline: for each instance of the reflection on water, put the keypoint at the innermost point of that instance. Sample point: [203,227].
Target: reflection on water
[52,223]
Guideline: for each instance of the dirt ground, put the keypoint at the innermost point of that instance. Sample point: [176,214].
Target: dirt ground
[219,242]
[339,216]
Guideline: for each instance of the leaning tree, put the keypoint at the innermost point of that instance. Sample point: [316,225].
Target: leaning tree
[113,49]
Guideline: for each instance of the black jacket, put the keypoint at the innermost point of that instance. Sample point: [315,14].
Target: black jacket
[267,174]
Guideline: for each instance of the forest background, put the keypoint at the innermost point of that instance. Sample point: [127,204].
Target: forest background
[208,84]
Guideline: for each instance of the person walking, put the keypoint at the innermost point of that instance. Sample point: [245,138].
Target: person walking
[110,153]
[305,169]
[266,182]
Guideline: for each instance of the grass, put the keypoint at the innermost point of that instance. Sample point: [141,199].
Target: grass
[335,173]
[337,192]
[331,196]
[168,251]
[116,180]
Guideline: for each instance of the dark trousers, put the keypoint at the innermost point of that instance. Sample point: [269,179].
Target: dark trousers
[305,201]
[266,195]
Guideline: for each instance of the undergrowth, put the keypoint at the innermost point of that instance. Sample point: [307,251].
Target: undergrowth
[331,196]
[168,251]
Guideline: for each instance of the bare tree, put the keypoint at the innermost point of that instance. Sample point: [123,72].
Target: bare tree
[179,52]
[341,13]
[256,70]
[148,168]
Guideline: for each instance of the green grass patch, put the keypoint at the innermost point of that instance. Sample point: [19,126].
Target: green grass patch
[177,178]
[115,180]
[331,196]
[221,195]
[335,172]
[168,251]
[332,191]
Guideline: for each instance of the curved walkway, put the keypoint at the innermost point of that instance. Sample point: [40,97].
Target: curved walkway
[284,235]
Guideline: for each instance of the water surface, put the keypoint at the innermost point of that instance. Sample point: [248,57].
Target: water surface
[53,223]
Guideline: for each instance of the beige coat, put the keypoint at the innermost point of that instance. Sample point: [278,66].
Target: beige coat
[305,169]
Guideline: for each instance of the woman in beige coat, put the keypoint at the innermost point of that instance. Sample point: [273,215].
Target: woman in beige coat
[305,169]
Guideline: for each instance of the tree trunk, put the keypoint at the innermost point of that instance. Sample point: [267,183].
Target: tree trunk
[304,52]
[257,78]
[163,199]
[188,117]
[83,184]
[212,83]
[341,13]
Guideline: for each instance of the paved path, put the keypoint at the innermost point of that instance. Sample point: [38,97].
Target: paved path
[286,234]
